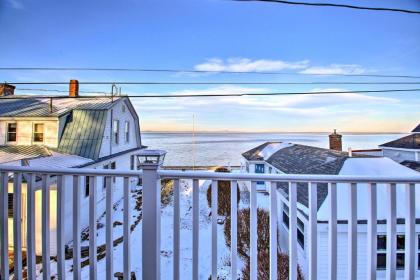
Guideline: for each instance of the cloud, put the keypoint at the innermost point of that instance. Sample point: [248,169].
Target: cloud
[16,4]
[302,104]
[334,69]
[249,65]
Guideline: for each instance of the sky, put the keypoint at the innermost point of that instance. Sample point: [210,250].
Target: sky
[223,35]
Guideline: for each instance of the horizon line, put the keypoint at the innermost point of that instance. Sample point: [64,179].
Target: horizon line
[282,132]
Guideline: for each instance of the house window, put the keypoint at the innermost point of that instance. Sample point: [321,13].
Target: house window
[300,226]
[418,255]
[10,205]
[127,131]
[123,108]
[115,131]
[381,248]
[113,166]
[104,178]
[132,161]
[260,168]
[39,132]
[87,185]
[11,132]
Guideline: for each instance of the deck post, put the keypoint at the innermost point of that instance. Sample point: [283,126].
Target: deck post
[151,216]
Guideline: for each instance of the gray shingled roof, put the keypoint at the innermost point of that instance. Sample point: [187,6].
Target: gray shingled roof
[83,133]
[302,159]
[411,141]
[302,192]
[17,152]
[416,129]
[41,106]
[415,165]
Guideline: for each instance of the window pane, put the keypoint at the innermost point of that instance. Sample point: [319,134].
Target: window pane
[87,185]
[400,260]
[301,239]
[418,241]
[381,261]
[10,205]
[39,132]
[39,127]
[381,242]
[418,260]
[11,132]
[400,242]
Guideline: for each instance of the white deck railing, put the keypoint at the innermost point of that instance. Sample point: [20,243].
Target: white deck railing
[151,221]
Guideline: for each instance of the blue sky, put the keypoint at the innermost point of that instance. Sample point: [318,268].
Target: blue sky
[225,35]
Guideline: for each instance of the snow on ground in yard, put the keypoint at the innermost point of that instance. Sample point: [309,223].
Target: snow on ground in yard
[223,257]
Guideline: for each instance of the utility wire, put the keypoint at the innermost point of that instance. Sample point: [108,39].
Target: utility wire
[216,83]
[224,94]
[336,6]
[197,71]
[58,90]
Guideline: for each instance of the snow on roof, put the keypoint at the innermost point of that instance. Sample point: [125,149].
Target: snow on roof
[272,148]
[57,160]
[374,167]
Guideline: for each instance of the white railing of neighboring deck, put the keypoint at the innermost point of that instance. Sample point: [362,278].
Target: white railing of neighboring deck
[151,221]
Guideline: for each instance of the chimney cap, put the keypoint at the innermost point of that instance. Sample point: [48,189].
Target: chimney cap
[7,89]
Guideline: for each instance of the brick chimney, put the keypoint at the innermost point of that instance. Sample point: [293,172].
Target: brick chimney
[335,141]
[74,88]
[6,89]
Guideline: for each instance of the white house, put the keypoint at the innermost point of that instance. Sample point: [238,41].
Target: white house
[289,158]
[405,150]
[58,132]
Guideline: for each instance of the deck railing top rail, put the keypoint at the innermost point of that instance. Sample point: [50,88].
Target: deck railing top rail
[210,175]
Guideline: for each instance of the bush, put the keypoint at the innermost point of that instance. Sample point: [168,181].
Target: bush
[167,191]
[264,267]
[223,195]
[263,231]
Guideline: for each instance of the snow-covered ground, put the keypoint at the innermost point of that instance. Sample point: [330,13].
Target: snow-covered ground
[167,239]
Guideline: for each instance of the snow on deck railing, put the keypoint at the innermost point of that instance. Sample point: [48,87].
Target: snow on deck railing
[151,177]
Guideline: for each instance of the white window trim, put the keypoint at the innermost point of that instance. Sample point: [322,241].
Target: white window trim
[7,132]
[33,132]
[127,131]
[116,132]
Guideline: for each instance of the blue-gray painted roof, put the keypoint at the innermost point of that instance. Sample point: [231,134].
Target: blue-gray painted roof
[83,133]
[30,106]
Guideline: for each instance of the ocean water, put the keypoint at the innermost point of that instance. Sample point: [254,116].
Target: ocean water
[226,148]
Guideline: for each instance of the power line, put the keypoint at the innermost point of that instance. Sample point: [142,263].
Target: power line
[198,71]
[215,83]
[58,90]
[337,6]
[226,94]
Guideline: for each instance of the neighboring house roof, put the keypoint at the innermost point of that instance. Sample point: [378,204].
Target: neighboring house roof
[39,156]
[18,152]
[411,141]
[374,166]
[416,129]
[50,106]
[254,154]
[57,160]
[301,159]
[83,133]
[415,165]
